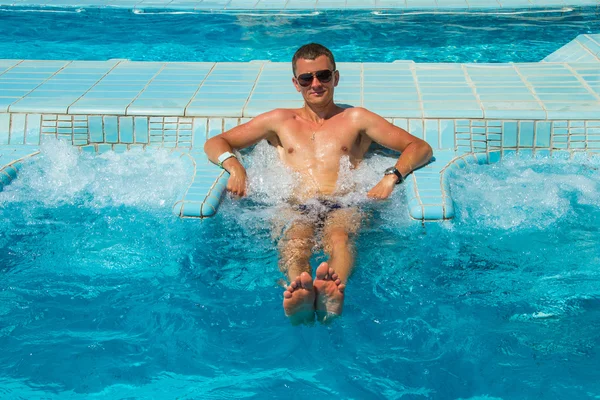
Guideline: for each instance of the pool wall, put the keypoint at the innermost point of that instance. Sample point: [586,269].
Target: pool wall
[477,112]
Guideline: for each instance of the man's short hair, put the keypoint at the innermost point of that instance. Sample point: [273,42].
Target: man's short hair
[310,52]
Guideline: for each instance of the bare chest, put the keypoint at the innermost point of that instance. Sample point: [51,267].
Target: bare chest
[327,141]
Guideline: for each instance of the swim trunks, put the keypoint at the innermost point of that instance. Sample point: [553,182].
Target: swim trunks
[318,209]
[320,206]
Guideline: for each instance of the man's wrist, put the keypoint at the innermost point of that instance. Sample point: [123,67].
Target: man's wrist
[223,157]
[392,179]
[393,171]
[233,166]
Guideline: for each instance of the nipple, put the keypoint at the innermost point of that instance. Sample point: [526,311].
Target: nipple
[290,150]
[344,149]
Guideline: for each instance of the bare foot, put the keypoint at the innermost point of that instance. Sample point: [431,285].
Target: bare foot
[330,293]
[299,300]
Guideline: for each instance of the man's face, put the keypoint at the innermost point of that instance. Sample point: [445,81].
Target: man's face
[317,92]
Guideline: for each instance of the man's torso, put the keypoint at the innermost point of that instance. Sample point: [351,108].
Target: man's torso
[315,150]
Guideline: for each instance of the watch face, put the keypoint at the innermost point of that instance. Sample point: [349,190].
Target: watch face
[394,171]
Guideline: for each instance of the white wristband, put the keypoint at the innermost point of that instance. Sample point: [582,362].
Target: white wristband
[225,156]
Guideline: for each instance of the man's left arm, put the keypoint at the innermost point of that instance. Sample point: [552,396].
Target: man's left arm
[414,152]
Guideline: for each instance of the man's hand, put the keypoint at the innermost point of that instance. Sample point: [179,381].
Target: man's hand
[384,188]
[236,184]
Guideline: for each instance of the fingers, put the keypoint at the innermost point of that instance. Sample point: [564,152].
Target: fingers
[378,194]
[236,188]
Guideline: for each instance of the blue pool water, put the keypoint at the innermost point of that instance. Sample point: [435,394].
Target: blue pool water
[357,36]
[104,293]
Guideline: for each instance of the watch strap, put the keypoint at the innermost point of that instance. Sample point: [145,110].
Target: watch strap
[394,171]
[225,156]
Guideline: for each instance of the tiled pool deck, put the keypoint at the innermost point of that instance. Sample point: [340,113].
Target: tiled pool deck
[467,112]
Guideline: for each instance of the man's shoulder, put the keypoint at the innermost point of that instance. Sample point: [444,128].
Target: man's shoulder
[279,114]
[357,111]
[360,114]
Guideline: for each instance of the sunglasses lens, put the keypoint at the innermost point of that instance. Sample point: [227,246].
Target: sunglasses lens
[305,79]
[324,76]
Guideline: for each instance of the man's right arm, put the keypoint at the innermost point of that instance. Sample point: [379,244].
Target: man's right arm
[240,137]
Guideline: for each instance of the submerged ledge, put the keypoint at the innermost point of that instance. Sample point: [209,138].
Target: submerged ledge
[478,112]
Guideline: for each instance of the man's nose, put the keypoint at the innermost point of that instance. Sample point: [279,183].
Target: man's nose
[314,78]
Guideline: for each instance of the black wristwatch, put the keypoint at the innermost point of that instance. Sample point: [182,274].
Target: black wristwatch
[394,171]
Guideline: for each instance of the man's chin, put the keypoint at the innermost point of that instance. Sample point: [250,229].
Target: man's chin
[318,101]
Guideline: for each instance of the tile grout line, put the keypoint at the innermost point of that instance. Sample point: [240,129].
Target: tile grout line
[586,49]
[473,87]
[11,67]
[44,81]
[591,38]
[94,85]
[162,68]
[10,119]
[413,70]
[182,200]
[253,87]
[474,91]
[529,86]
[25,130]
[185,114]
[582,81]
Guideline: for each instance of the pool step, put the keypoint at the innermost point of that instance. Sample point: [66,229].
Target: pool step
[203,196]
[11,160]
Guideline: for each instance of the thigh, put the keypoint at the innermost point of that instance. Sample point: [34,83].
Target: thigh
[341,223]
[296,245]
[291,225]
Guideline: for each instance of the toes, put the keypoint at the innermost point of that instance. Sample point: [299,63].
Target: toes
[341,287]
[296,283]
[338,281]
[331,271]
[322,271]
[334,276]
[306,281]
[287,294]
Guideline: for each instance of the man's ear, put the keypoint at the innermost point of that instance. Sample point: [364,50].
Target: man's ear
[295,82]
[336,78]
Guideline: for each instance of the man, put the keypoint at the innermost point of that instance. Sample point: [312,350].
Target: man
[312,141]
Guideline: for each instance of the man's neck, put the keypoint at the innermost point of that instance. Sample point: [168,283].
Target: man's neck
[320,114]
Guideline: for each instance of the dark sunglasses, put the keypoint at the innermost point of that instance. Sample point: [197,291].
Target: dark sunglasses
[324,76]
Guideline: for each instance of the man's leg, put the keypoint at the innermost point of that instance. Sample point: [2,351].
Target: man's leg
[295,251]
[332,275]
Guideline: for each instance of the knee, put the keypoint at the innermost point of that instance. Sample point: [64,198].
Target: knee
[296,246]
[338,239]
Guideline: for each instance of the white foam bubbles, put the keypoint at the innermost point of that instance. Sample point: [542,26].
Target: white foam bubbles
[519,193]
[61,174]
[271,185]
[270,181]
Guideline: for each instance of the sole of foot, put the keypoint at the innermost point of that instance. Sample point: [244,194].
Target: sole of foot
[299,300]
[330,294]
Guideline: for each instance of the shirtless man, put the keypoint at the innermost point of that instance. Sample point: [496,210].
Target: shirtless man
[312,141]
